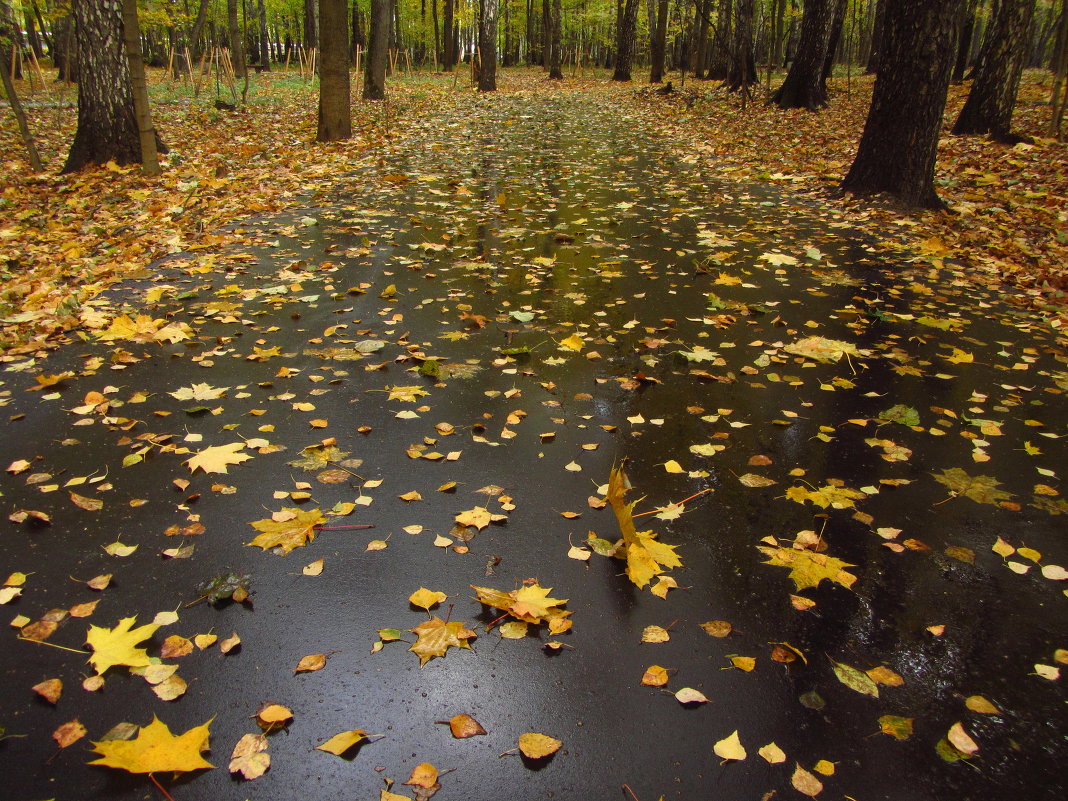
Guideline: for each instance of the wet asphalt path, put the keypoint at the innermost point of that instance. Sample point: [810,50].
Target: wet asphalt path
[490,240]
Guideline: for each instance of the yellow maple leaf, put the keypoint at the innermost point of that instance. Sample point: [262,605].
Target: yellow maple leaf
[436,637]
[156,750]
[410,394]
[295,528]
[573,343]
[646,557]
[117,646]
[533,603]
[808,568]
[217,458]
[527,604]
[821,349]
[425,598]
[479,517]
[140,329]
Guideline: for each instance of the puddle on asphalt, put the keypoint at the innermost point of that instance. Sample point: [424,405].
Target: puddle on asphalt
[593,299]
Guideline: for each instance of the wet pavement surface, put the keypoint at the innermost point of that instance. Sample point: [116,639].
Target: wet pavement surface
[577,297]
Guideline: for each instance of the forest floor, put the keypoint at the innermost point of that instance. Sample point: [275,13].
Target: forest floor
[840,572]
[65,238]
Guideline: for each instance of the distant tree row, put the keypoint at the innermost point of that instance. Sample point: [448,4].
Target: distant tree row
[916,47]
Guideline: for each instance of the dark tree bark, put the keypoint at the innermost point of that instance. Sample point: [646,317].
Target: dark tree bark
[237,43]
[374,83]
[16,108]
[335,116]
[449,49]
[139,87]
[900,141]
[719,65]
[838,15]
[311,23]
[625,40]
[876,37]
[742,73]
[703,10]
[65,49]
[556,48]
[198,29]
[107,128]
[265,52]
[487,46]
[437,31]
[803,87]
[988,109]
[964,46]
[532,50]
[547,33]
[658,45]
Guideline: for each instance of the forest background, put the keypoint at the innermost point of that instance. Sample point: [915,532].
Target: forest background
[771,90]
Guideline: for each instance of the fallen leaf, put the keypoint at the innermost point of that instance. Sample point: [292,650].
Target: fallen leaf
[435,637]
[463,726]
[156,750]
[346,740]
[538,746]
[117,646]
[250,757]
[730,748]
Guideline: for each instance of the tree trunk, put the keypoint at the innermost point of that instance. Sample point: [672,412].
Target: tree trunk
[198,28]
[335,117]
[720,64]
[838,15]
[625,40]
[449,45]
[803,87]
[742,72]
[876,38]
[964,47]
[374,84]
[142,112]
[437,32]
[547,34]
[20,115]
[900,141]
[311,23]
[531,35]
[237,44]
[990,102]
[265,52]
[702,11]
[487,46]
[658,45]
[556,48]
[107,128]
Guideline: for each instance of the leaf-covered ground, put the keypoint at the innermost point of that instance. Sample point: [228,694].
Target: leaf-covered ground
[839,571]
[63,239]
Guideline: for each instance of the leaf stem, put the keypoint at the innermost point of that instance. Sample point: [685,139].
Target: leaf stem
[160,787]
[53,645]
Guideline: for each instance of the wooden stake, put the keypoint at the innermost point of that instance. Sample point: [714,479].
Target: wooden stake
[170,64]
[408,61]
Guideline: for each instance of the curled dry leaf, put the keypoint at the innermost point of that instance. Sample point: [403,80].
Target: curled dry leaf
[310,663]
[250,757]
[688,695]
[805,783]
[345,741]
[423,775]
[463,726]
[960,739]
[49,689]
[273,716]
[533,745]
[655,676]
[69,733]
